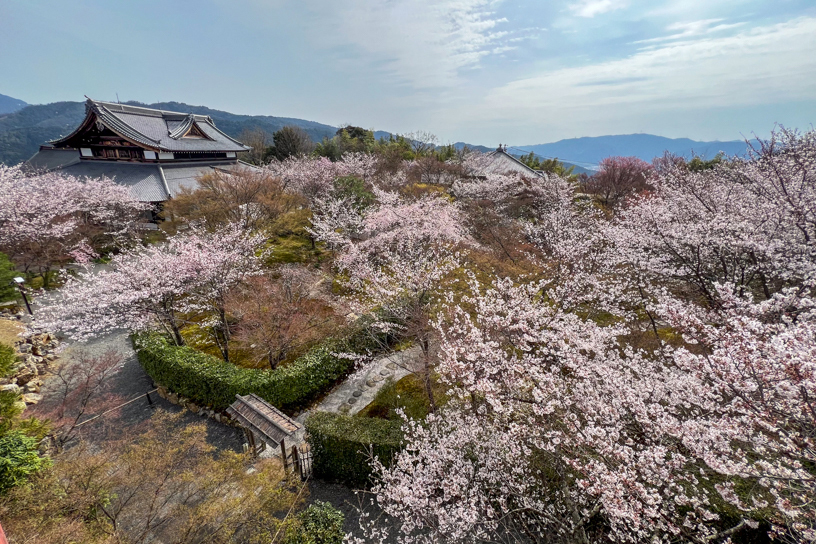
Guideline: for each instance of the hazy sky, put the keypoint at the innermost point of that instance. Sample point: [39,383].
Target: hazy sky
[481,71]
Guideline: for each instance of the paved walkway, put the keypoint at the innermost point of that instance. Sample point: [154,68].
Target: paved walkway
[129,382]
[359,389]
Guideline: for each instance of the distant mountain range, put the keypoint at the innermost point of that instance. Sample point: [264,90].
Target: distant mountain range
[23,128]
[518,152]
[585,153]
[10,105]
[590,151]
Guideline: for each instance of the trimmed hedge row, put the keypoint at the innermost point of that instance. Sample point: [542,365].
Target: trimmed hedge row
[209,381]
[340,445]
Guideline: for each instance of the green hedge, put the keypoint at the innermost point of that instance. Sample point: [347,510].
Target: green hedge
[340,445]
[211,382]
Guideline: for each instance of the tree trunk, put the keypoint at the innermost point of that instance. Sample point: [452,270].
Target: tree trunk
[176,334]
[46,280]
[223,329]
[221,341]
[426,357]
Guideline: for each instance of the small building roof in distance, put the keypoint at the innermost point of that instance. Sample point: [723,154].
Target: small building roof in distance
[156,129]
[254,413]
[503,163]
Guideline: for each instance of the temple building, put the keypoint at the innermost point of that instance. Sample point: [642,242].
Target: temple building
[502,162]
[156,153]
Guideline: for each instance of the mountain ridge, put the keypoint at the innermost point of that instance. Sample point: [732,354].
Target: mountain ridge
[22,132]
[590,150]
[9,104]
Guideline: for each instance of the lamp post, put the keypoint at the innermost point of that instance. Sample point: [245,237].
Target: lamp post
[20,281]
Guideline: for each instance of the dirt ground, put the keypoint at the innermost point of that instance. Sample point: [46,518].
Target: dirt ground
[9,331]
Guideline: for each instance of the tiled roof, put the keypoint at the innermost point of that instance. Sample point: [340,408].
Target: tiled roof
[503,163]
[158,129]
[254,413]
[186,175]
[143,179]
[51,159]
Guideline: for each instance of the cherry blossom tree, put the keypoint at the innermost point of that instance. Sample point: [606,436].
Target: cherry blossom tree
[316,179]
[558,430]
[217,262]
[278,314]
[760,363]
[746,223]
[313,177]
[553,429]
[619,178]
[49,219]
[398,263]
[171,284]
[499,188]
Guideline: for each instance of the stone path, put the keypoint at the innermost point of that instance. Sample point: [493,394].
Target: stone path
[129,382]
[359,389]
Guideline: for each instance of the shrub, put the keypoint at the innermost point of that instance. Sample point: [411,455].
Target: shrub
[209,381]
[18,459]
[7,360]
[320,523]
[341,445]
[8,291]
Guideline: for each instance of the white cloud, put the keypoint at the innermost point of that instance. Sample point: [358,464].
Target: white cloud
[765,65]
[591,8]
[424,43]
[692,29]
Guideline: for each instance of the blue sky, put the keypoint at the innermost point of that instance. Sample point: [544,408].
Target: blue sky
[481,71]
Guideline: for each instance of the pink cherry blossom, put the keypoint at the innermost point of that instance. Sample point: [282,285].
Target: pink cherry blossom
[168,285]
[48,219]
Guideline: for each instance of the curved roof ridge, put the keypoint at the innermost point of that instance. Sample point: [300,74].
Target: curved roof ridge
[76,131]
[152,112]
[210,121]
[122,128]
[155,129]
[183,127]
